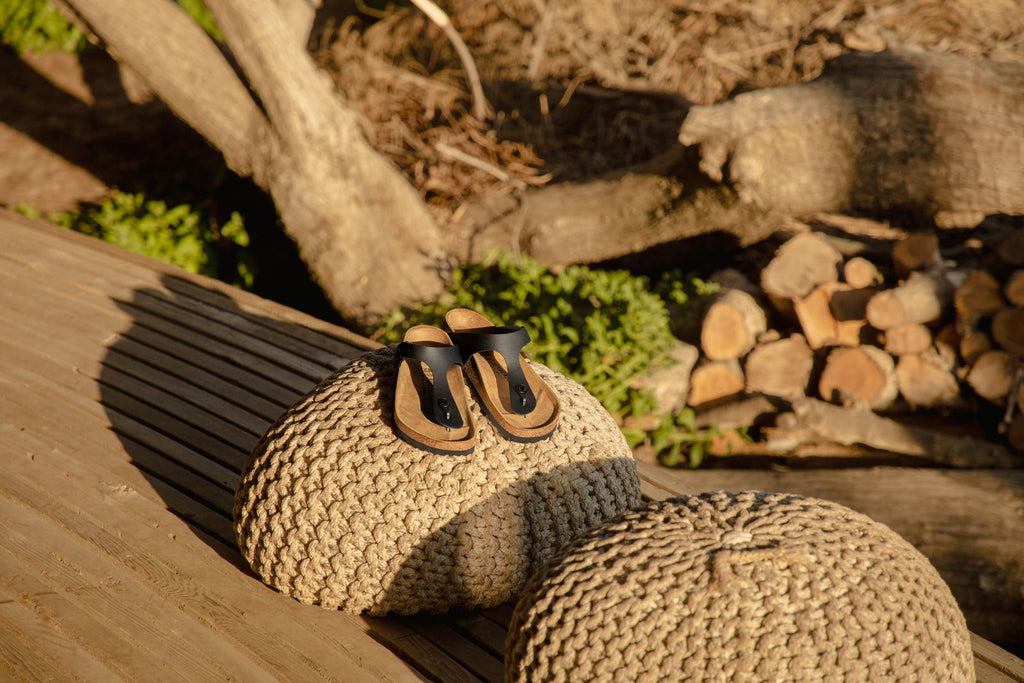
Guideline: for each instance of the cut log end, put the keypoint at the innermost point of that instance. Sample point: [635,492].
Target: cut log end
[922,298]
[732,325]
[1008,329]
[713,381]
[800,264]
[860,273]
[780,368]
[919,251]
[908,339]
[832,315]
[1014,290]
[978,296]
[862,374]
[926,381]
[1015,434]
[991,375]
[1011,250]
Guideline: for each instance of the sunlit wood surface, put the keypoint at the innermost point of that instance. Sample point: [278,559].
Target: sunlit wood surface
[130,395]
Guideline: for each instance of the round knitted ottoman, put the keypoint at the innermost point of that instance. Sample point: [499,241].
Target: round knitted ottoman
[333,508]
[738,586]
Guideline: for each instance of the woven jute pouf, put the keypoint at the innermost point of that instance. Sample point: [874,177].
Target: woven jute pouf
[334,509]
[739,586]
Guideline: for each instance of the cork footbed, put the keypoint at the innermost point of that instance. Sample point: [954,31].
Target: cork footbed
[488,376]
[413,400]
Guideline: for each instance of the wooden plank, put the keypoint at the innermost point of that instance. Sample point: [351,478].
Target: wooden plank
[483,631]
[118,331]
[35,244]
[226,322]
[997,661]
[27,638]
[119,605]
[174,393]
[986,673]
[215,340]
[477,660]
[420,651]
[157,554]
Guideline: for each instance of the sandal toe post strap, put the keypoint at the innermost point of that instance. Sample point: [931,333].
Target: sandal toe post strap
[508,341]
[438,359]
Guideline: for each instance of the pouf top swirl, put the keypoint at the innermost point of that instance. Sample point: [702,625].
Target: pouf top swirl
[334,509]
[739,586]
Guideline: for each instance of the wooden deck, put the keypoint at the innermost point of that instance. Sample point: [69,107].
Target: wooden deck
[130,395]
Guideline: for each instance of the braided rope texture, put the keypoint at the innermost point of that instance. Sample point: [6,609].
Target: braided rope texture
[744,586]
[334,509]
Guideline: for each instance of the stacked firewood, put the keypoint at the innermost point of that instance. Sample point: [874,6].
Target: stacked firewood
[875,335]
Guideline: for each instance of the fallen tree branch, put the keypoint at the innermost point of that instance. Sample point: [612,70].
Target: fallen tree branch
[606,219]
[857,425]
[911,131]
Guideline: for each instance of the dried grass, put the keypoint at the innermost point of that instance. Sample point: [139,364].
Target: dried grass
[583,87]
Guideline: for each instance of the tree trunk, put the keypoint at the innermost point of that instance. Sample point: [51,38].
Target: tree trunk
[911,131]
[361,228]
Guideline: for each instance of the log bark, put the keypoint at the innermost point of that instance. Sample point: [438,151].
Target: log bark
[911,131]
[862,374]
[919,251]
[926,380]
[908,339]
[731,326]
[922,298]
[860,273]
[991,375]
[363,231]
[1014,290]
[1008,329]
[714,381]
[832,315]
[803,262]
[780,368]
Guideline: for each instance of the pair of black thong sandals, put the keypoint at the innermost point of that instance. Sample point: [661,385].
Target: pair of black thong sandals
[431,411]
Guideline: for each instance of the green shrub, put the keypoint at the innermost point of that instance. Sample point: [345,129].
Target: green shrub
[36,26]
[198,11]
[602,328]
[180,235]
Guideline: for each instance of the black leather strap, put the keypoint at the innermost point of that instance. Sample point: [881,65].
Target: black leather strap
[438,359]
[508,341]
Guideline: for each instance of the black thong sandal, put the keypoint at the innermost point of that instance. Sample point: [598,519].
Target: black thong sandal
[431,411]
[519,403]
